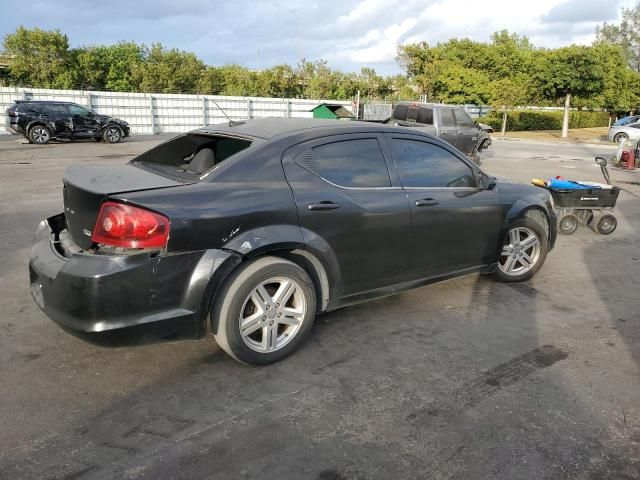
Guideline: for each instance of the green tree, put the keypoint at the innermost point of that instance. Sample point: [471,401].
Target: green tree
[170,71]
[39,58]
[569,71]
[506,94]
[626,35]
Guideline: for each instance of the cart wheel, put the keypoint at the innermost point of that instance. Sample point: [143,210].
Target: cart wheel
[607,224]
[568,224]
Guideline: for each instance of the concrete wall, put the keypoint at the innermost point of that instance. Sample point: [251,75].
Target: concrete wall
[159,113]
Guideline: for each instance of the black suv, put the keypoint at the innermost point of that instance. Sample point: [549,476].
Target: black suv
[40,121]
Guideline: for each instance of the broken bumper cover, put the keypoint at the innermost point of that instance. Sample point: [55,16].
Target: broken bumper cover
[90,293]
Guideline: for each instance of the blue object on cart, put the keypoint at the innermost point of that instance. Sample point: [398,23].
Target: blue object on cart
[557,184]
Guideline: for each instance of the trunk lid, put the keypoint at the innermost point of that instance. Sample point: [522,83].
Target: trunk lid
[87,186]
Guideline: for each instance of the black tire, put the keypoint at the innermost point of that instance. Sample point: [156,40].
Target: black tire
[541,234]
[568,224]
[112,134]
[233,300]
[39,134]
[606,224]
[620,136]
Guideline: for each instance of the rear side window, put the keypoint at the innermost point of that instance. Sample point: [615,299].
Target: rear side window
[400,112]
[353,163]
[425,115]
[412,114]
[28,108]
[57,108]
[446,115]
[423,164]
[462,118]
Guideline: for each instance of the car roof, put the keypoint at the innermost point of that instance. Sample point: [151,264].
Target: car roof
[426,104]
[268,128]
[44,101]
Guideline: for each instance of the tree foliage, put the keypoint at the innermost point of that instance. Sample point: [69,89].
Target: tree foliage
[625,35]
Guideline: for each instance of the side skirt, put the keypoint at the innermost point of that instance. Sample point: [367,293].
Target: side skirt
[404,286]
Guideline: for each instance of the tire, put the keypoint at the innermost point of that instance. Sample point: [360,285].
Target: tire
[568,224]
[511,267]
[236,303]
[620,136]
[39,134]
[606,224]
[112,134]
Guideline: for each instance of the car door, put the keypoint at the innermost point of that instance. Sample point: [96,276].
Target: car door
[349,210]
[83,121]
[58,115]
[455,223]
[447,128]
[467,131]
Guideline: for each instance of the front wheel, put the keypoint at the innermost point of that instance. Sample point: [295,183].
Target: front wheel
[620,136]
[112,134]
[264,312]
[523,253]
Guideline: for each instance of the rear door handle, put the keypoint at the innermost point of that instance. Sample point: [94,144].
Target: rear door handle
[326,205]
[426,202]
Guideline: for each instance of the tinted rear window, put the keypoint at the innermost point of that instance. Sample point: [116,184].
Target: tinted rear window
[353,163]
[400,112]
[425,115]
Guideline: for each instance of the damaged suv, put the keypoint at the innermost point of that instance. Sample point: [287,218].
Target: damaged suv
[258,227]
[42,120]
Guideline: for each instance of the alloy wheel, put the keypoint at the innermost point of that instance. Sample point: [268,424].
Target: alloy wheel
[39,135]
[272,314]
[520,252]
[113,135]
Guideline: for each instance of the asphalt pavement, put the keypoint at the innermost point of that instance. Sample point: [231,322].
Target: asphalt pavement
[467,379]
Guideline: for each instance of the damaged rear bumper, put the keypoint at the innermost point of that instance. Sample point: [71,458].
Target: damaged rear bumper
[89,292]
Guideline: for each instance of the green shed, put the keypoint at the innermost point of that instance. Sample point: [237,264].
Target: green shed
[332,111]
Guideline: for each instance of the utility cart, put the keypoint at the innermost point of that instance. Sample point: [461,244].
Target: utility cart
[592,207]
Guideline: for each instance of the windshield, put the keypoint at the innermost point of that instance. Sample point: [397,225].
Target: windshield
[190,156]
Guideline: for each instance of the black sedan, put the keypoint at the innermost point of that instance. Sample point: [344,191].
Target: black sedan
[260,226]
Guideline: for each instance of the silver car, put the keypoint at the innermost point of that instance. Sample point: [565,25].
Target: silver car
[624,132]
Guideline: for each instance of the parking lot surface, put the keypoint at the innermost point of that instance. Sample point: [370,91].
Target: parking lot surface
[466,379]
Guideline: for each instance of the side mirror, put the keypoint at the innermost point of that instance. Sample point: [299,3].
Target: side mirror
[487,182]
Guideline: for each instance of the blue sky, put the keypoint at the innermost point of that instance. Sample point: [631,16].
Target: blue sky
[349,34]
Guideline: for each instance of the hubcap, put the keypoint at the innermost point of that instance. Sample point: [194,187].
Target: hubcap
[272,314]
[113,134]
[520,252]
[40,135]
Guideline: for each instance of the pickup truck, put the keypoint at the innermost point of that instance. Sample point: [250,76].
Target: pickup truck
[451,124]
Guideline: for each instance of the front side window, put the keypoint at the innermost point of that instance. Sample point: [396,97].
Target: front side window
[446,115]
[423,164]
[79,111]
[463,119]
[353,163]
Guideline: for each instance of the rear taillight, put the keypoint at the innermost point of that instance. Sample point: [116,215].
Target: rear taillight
[120,225]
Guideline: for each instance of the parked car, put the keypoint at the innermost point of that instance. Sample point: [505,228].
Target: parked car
[451,124]
[626,120]
[630,131]
[42,120]
[260,226]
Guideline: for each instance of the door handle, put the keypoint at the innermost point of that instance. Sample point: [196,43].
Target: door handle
[426,202]
[326,205]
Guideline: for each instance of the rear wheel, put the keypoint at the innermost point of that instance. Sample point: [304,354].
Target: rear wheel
[606,224]
[523,253]
[39,134]
[112,134]
[568,224]
[264,311]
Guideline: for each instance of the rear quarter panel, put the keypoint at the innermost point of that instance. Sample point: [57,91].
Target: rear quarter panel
[244,205]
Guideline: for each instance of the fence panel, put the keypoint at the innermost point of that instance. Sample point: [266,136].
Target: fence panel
[158,113]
